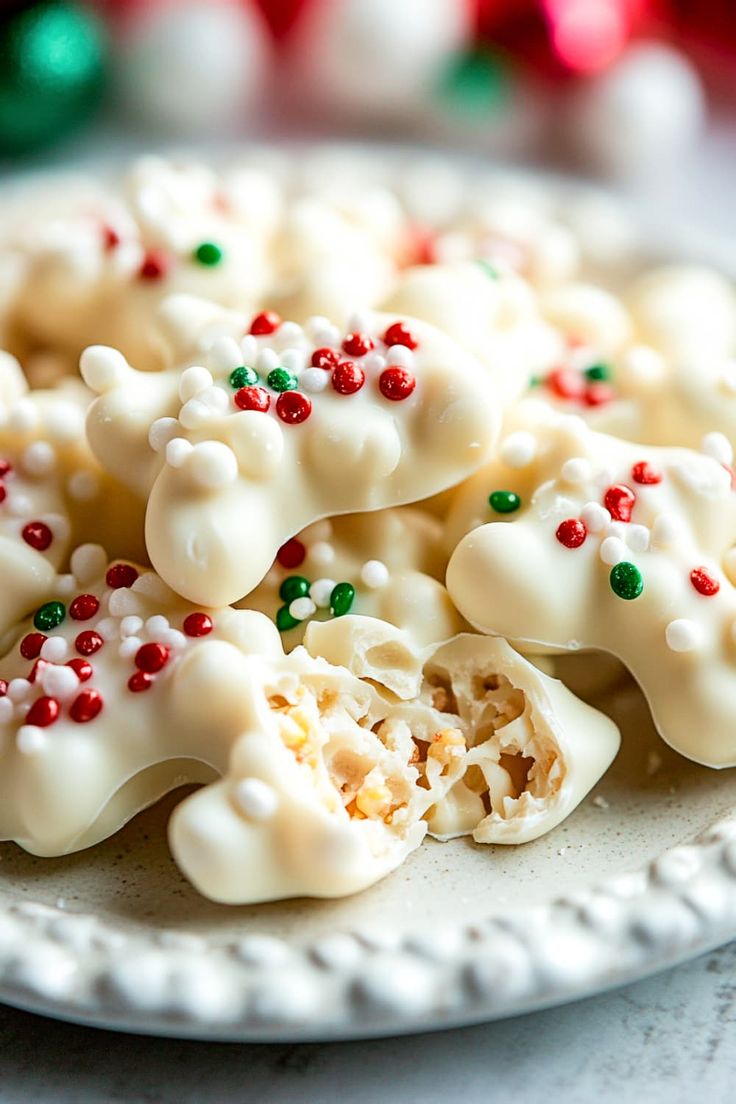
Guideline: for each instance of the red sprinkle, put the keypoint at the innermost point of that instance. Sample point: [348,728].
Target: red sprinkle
[121,575]
[3,687]
[30,645]
[396,383]
[619,501]
[704,582]
[599,393]
[35,669]
[86,706]
[140,681]
[3,492]
[348,378]
[267,322]
[643,472]
[38,535]
[325,358]
[155,265]
[291,554]
[83,607]
[152,658]
[197,624]
[252,398]
[399,334]
[81,668]
[88,642]
[43,712]
[110,238]
[292,407]
[566,383]
[5,467]
[571,532]
[358,344]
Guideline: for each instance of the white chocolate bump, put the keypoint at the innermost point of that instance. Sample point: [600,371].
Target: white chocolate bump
[519,449]
[213,464]
[613,551]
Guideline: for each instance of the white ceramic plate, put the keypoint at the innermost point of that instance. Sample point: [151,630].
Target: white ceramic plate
[642,876]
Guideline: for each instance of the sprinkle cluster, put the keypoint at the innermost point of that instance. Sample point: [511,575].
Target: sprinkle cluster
[302,598]
[583,381]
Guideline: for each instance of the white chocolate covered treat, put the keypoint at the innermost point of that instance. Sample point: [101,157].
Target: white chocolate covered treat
[534,750]
[626,549]
[386,564]
[283,427]
[685,311]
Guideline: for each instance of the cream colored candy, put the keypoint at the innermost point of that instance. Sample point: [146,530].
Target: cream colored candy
[518,580]
[227,487]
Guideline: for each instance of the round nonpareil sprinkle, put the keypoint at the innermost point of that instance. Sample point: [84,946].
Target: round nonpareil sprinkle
[619,500]
[281,379]
[342,598]
[88,642]
[43,712]
[152,657]
[571,533]
[325,358]
[302,608]
[347,378]
[121,575]
[267,322]
[400,334]
[242,376]
[208,253]
[284,620]
[49,616]
[293,587]
[704,582]
[86,706]
[198,624]
[504,502]
[252,398]
[291,554]
[82,669]
[38,535]
[396,383]
[682,635]
[626,580]
[140,681]
[155,265]
[358,344]
[293,407]
[31,644]
[374,574]
[643,473]
[83,607]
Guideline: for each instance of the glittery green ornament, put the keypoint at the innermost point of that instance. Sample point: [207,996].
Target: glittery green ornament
[49,616]
[243,377]
[52,58]
[284,620]
[626,580]
[208,253]
[295,586]
[342,598]
[281,379]
[504,502]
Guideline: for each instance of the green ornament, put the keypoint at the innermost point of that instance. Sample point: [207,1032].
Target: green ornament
[208,253]
[295,586]
[342,598]
[52,61]
[626,580]
[281,379]
[242,377]
[504,502]
[49,616]
[599,372]
[284,620]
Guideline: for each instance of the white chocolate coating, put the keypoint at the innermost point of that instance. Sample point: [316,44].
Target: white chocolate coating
[227,487]
[518,580]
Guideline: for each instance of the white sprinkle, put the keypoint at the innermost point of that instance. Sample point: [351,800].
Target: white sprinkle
[255,799]
[213,465]
[666,530]
[108,628]
[600,802]
[374,363]
[54,649]
[161,432]
[374,574]
[129,647]
[83,485]
[321,553]
[267,361]
[223,356]
[612,551]
[131,625]
[18,505]
[23,416]
[177,450]
[359,322]
[682,635]
[314,380]
[618,529]
[150,585]
[302,608]
[289,333]
[295,360]
[519,449]
[194,414]
[637,538]
[6,710]
[124,603]
[19,689]
[322,332]
[59,682]
[595,517]
[400,355]
[30,740]
[321,591]
[248,350]
[173,638]
[192,381]
[718,446]
[65,585]
[88,562]
[576,470]
[38,458]
[157,624]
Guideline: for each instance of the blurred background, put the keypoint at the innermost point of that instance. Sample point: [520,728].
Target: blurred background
[641,93]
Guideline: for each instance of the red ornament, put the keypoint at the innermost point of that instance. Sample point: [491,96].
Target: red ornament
[155,265]
[86,706]
[358,344]
[88,642]
[396,383]
[121,575]
[152,657]
[400,334]
[599,393]
[571,533]
[566,383]
[81,668]
[704,582]
[643,472]
[348,378]
[252,398]
[291,554]
[267,322]
[292,407]
[325,358]
[619,501]
[197,624]
[83,607]
[43,712]
[30,645]
[38,535]
[140,681]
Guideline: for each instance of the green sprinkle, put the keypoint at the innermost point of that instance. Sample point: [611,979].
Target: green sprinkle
[281,379]
[295,586]
[208,254]
[284,620]
[536,381]
[242,377]
[504,502]
[489,269]
[342,598]
[49,615]
[599,372]
[626,581]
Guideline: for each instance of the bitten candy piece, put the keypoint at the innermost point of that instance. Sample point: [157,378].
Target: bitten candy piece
[281,428]
[622,548]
